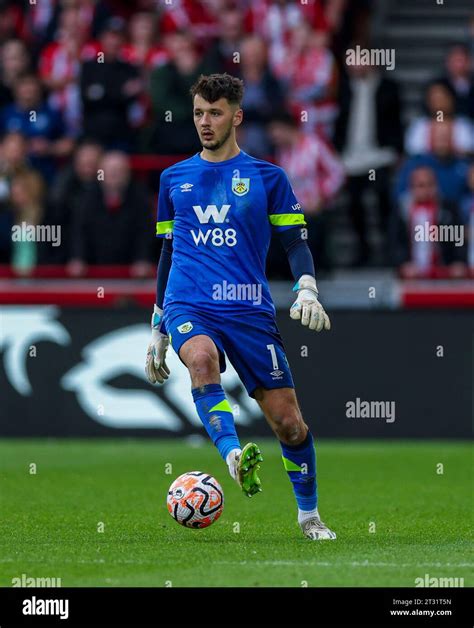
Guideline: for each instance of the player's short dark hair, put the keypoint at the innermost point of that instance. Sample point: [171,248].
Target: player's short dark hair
[215,86]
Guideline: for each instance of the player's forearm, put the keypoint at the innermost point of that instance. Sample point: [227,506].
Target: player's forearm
[163,271]
[298,252]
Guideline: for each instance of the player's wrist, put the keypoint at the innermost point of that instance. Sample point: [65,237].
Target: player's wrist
[306,286]
[157,324]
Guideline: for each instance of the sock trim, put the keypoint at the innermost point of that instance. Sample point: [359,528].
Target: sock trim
[307,441]
[207,389]
[303,515]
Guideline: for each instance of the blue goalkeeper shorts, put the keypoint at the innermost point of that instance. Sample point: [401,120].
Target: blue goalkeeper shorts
[252,343]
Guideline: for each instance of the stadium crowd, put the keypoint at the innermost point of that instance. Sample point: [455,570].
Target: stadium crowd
[85,85]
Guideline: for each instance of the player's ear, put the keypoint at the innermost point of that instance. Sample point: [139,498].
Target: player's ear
[238,117]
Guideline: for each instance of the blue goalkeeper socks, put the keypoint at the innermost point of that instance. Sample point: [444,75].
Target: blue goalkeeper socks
[216,415]
[300,464]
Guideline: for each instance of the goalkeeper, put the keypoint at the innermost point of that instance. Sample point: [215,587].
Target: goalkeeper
[216,212]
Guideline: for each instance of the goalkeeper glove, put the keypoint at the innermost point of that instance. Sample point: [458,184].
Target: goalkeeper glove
[307,307]
[155,368]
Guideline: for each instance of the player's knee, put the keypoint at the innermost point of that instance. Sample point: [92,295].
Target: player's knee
[203,364]
[290,427]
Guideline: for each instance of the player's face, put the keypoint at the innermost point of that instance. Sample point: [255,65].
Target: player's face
[215,121]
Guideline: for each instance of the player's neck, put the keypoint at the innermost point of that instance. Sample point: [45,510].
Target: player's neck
[225,152]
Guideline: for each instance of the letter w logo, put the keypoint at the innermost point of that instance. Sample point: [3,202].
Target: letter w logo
[211,211]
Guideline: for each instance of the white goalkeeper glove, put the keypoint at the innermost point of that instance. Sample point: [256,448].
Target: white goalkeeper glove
[155,368]
[307,307]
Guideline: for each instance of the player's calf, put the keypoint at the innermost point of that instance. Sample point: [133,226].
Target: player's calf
[299,458]
[201,357]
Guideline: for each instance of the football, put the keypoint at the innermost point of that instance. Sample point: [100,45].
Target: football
[195,500]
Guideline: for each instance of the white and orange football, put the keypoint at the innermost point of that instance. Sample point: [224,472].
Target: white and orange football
[195,500]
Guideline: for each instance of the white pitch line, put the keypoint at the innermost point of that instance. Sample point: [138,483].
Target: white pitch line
[296,563]
[365,563]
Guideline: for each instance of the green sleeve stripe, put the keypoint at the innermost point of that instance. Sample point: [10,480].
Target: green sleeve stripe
[283,220]
[165,226]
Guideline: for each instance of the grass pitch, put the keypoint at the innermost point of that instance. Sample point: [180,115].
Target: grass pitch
[396,515]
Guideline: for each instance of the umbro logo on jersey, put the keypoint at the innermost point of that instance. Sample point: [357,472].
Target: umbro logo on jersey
[186,187]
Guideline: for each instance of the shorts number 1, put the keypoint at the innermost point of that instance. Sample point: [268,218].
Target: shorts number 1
[271,348]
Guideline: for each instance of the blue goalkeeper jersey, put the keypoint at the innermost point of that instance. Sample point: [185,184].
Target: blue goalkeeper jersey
[220,216]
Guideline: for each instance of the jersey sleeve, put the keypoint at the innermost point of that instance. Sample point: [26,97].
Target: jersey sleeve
[284,210]
[165,211]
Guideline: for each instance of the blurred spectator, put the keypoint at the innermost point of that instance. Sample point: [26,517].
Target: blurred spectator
[35,119]
[93,15]
[309,72]
[112,224]
[12,159]
[11,19]
[173,129]
[14,61]
[221,56]
[460,78]
[13,154]
[263,94]
[60,64]
[316,175]
[335,11]
[26,195]
[451,170]
[350,22]
[43,19]
[471,36]
[17,205]
[420,248]
[40,23]
[109,86]
[369,135]
[145,54]
[196,16]
[467,216]
[67,194]
[440,105]
[143,50]
[275,20]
